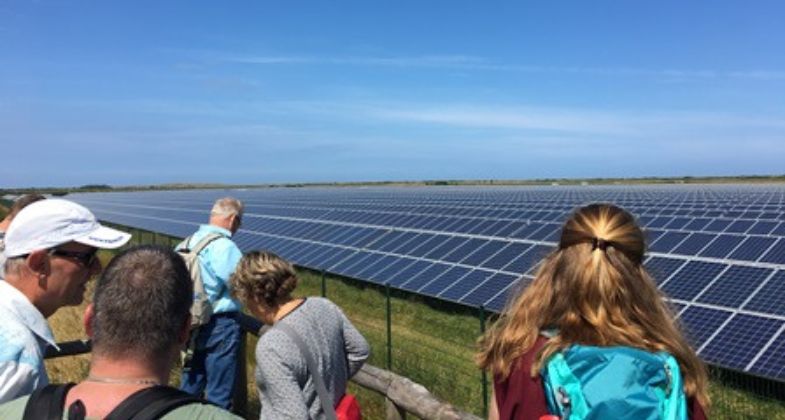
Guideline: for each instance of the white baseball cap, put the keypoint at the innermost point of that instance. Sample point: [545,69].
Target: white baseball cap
[48,223]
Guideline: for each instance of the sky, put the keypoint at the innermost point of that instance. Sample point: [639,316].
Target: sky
[151,92]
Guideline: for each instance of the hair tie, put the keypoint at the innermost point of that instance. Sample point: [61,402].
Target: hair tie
[602,244]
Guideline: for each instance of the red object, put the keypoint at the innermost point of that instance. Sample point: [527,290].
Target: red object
[348,408]
[550,417]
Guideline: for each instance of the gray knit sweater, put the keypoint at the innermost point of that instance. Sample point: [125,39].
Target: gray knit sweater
[286,390]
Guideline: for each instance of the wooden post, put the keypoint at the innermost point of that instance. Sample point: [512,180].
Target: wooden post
[392,411]
[324,284]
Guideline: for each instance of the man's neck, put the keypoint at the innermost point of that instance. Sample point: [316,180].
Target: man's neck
[129,368]
[111,381]
[28,286]
[222,221]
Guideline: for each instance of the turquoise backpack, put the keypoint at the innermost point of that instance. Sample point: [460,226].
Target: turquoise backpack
[586,382]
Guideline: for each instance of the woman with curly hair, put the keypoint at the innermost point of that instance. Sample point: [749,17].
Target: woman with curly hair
[264,283]
[591,295]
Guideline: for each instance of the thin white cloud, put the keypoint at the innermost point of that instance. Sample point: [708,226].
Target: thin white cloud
[528,119]
[458,61]
[759,74]
[469,62]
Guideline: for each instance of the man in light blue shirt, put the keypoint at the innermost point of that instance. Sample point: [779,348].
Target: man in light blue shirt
[212,368]
[51,248]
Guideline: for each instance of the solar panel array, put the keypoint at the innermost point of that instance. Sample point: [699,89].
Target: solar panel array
[717,251]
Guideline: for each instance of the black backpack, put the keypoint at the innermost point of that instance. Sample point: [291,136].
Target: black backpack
[152,403]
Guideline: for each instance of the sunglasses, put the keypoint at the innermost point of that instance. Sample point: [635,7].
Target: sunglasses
[87,258]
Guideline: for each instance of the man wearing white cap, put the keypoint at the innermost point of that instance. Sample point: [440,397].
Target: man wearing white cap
[51,250]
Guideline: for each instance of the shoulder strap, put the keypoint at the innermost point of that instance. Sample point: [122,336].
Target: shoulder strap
[202,244]
[327,404]
[152,403]
[47,403]
[183,244]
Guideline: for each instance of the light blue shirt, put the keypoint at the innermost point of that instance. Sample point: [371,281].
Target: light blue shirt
[2,255]
[218,261]
[24,334]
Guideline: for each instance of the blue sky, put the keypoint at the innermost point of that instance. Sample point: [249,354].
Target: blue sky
[266,92]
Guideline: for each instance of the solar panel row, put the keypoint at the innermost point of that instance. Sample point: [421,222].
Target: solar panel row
[718,252]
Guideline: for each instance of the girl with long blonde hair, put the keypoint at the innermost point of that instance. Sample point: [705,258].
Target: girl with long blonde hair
[592,290]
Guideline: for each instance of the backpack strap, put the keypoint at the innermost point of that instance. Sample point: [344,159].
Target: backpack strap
[47,403]
[563,389]
[199,247]
[152,403]
[675,400]
[324,397]
[202,244]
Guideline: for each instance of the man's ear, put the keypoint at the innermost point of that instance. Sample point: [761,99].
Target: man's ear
[89,315]
[38,262]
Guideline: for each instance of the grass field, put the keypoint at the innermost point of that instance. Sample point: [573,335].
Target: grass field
[432,343]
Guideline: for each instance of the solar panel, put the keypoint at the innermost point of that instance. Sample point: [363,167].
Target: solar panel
[692,279]
[771,297]
[701,322]
[716,252]
[734,285]
[668,241]
[772,361]
[661,268]
[721,246]
[776,254]
[738,342]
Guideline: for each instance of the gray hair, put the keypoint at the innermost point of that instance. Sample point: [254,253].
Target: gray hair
[12,265]
[227,206]
[142,301]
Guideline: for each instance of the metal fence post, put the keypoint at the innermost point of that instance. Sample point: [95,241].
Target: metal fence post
[484,374]
[240,397]
[389,327]
[324,284]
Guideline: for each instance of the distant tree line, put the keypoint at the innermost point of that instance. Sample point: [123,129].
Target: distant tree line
[61,191]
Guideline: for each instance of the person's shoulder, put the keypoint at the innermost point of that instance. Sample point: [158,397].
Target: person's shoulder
[273,341]
[222,242]
[321,303]
[15,339]
[522,365]
[14,409]
[199,411]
